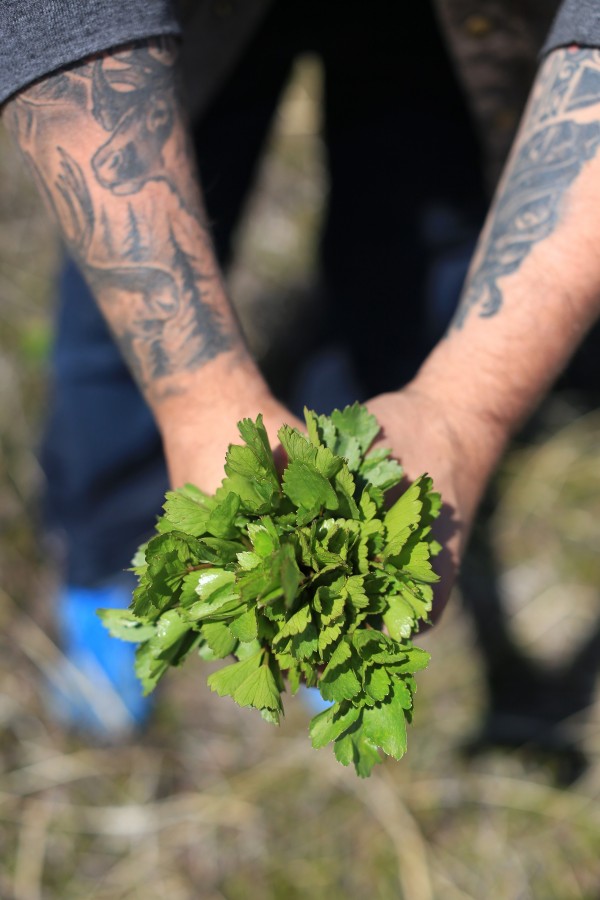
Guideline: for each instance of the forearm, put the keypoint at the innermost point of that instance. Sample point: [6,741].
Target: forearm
[534,286]
[108,146]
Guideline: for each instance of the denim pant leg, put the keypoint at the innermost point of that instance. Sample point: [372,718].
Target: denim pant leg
[101,452]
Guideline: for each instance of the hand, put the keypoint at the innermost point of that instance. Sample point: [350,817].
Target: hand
[427,435]
[195,447]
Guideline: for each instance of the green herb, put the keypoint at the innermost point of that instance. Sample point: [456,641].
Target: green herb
[308,578]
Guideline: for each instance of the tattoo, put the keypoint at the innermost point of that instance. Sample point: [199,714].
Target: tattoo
[552,151]
[134,242]
[137,106]
[144,250]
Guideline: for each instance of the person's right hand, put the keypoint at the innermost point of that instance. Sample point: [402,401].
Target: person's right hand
[196,441]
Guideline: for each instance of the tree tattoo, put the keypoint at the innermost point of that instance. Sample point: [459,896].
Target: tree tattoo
[129,207]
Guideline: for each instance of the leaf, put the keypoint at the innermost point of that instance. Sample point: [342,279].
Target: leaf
[221,521]
[296,624]
[245,627]
[377,683]
[415,562]
[328,635]
[299,449]
[188,509]
[139,559]
[328,725]
[258,582]
[247,477]
[295,444]
[151,664]
[354,747]
[219,551]
[263,540]
[416,659]
[399,618]
[419,596]
[327,431]
[403,691]
[248,560]
[189,584]
[219,638]
[122,624]
[226,681]
[169,628]
[339,680]
[374,647]
[367,506]
[312,427]
[379,471]
[257,439]
[345,487]
[355,585]
[275,576]
[329,600]
[246,649]
[348,447]
[307,488]
[289,573]
[217,609]
[403,517]
[219,593]
[168,559]
[355,422]
[216,582]
[306,644]
[259,690]
[384,724]
[148,669]
[294,675]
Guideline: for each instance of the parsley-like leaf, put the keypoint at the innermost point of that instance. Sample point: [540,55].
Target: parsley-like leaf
[296,574]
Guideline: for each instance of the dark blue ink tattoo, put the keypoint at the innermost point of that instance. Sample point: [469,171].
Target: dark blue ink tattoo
[551,155]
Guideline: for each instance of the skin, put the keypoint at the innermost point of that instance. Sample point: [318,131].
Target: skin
[108,145]
[120,180]
[532,293]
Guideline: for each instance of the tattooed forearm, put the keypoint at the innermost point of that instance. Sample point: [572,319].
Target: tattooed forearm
[560,134]
[108,146]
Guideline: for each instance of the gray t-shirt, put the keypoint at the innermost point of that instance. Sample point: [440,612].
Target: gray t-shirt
[40,36]
[577,22]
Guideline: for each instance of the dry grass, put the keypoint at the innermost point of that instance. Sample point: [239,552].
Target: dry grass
[212,802]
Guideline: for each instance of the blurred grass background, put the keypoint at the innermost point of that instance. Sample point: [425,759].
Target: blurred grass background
[212,802]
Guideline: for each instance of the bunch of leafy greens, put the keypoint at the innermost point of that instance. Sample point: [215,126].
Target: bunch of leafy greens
[295,577]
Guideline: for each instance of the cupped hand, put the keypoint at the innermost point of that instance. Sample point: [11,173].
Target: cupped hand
[425,436]
[195,449]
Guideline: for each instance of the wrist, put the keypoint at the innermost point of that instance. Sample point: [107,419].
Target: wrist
[470,396]
[475,435]
[229,385]
[198,417]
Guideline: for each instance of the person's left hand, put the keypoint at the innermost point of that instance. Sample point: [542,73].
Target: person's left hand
[425,438]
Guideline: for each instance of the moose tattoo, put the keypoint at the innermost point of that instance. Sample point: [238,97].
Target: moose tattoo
[140,121]
[143,254]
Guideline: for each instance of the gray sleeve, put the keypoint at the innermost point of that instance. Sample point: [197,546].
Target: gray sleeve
[39,36]
[577,22]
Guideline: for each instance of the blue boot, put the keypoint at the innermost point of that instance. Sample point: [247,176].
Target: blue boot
[95,690]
